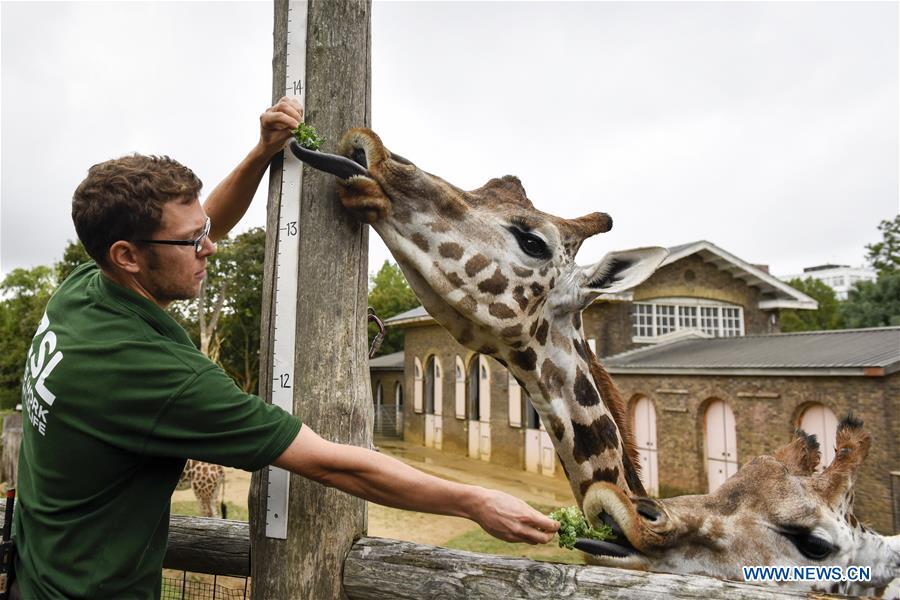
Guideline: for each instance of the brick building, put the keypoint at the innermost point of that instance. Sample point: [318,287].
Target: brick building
[701,296]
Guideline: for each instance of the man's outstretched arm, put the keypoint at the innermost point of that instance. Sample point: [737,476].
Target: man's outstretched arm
[387,481]
[228,202]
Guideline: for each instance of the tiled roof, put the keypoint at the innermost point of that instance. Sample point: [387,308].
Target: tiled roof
[861,351]
[388,362]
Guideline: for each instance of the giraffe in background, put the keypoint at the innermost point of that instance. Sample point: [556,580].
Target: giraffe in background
[208,482]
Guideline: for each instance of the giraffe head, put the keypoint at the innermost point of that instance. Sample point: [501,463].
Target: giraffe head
[486,264]
[776,510]
[501,277]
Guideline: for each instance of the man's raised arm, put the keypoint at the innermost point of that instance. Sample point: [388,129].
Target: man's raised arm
[228,202]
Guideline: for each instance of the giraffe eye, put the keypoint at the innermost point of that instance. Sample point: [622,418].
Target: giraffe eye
[810,546]
[531,244]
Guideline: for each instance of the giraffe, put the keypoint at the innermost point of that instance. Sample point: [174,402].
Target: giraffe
[500,276]
[208,482]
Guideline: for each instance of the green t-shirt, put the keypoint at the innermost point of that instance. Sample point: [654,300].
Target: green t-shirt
[115,398]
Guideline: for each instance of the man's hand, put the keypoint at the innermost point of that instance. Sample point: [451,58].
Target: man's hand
[276,124]
[511,520]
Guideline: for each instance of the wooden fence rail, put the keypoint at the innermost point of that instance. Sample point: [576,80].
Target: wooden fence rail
[383,569]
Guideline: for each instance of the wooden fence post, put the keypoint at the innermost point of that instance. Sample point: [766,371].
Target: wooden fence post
[331,392]
[11,442]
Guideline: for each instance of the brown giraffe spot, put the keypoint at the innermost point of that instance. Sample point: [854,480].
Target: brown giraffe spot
[576,320]
[560,341]
[451,250]
[501,311]
[552,282]
[552,377]
[403,215]
[581,348]
[487,349]
[557,428]
[421,241]
[534,327]
[465,336]
[610,475]
[475,264]
[544,271]
[632,478]
[519,297]
[450,207]
[522,272]
[542,332]
[591,440]
[534,307]
[525,359]
[468,304]
[439,227]
[537,289]
[585,392]
[455,279]
[496,284]
[512,331]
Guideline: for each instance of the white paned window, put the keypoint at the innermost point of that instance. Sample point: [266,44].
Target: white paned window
[661,317]
[643,320]
[731,322]
[687,317]
[665,319]
[709,320]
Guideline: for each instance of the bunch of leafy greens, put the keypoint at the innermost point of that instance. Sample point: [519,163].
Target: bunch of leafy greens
[573,525]
[308,137]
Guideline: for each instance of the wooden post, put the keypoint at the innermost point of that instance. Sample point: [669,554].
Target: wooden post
[11,442]
[331,392]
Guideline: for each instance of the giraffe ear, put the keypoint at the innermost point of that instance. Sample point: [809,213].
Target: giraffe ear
[620,271]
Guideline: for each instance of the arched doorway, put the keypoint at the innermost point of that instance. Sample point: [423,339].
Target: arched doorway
[721,444]
[398,406]
[379,406]
[433,403]
[540,455]
[644,418]
[818,419]
[478,407]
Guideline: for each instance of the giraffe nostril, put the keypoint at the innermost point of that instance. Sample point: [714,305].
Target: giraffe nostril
[648,510]
[359,157]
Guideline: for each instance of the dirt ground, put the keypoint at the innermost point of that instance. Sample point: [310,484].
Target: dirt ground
[425,528]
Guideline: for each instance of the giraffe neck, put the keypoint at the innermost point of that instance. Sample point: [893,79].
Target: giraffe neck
[556,371]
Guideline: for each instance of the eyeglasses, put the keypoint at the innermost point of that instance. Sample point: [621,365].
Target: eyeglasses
[197,242]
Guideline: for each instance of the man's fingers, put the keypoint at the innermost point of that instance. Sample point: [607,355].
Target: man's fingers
[289,106]
[278,120]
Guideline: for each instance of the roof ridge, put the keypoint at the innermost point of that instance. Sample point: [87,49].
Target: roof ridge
[817,332]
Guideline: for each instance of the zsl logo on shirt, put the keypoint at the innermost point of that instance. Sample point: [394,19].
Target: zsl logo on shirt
[38,367]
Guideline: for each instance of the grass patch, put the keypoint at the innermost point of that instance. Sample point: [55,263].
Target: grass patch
[191,508]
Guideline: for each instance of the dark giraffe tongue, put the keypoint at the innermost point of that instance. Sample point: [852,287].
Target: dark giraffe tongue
[338,166]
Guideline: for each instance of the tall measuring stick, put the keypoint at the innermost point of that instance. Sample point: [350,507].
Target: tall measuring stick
[325,374]
[286,269]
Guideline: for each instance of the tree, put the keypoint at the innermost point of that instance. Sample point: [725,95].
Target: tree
[73,256]
[884,256]
[827,316]
[24,294]
[390,295]
[874,304]
[239,328]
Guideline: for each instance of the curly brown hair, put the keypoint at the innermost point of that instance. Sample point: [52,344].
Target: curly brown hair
[123,198]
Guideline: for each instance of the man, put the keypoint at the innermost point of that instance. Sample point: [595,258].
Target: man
[116,396]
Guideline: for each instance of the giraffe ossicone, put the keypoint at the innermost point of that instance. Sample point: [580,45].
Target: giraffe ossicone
[500,276]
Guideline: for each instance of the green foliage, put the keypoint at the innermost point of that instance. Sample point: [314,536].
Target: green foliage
[884,256]
[73,256]
[389,295]
[308,137]
[24,294]
[873,304]
[827,316]
[573,525]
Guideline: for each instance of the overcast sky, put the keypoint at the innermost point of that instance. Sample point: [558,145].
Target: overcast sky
[769,129]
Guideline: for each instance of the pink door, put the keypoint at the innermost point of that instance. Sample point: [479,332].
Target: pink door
[819,419]
[644,419]
[721,444]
